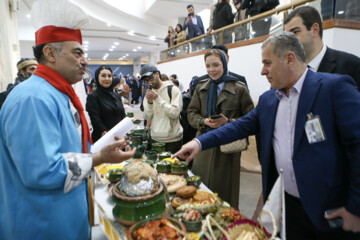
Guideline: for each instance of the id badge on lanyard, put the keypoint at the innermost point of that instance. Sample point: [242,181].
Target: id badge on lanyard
[314,130]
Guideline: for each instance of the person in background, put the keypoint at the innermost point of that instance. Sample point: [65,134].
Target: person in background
[223,95]
[162,106]
[174,77]
[225,50]
[194,25]
[136,87]
[223,16]
[305,23]
[310,131]
[241,32]
[45,139]
[104,106]
[262,26]
[169,39]
[164,77]
[180,35]
[26,67]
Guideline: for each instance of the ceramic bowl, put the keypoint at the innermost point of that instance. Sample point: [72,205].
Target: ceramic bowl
[140,149]
[182,168]
[115,175]
[136,121]
[129,210]
[194,181]
[137,139]
[137,225]
[192,226]
[163,167]
[164,155]
[158,146]
[151,155]
[130,114]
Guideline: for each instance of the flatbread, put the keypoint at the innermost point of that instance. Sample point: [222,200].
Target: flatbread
[173,182]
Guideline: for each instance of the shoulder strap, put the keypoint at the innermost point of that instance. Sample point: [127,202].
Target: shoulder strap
[169,91]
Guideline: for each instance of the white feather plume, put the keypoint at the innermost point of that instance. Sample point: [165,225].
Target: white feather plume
[60,13]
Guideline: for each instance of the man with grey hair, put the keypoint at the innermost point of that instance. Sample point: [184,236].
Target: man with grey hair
[304,123]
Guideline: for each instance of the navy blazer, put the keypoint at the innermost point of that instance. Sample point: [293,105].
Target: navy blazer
[192,29]
[327,173]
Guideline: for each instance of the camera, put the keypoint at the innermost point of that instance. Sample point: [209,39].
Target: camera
[168,31]
[150,86]
[189,14]
[118,91]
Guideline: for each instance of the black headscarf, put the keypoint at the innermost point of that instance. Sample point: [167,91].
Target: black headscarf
[98,85]
[212,93]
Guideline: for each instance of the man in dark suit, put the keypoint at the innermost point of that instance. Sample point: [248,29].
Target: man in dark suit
[305,23]
[305,122]
[225,50]
[194,25]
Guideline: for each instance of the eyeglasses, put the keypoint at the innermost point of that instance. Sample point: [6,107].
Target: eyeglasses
[149,78]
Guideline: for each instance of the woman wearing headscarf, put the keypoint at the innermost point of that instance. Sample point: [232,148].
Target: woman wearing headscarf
[104,106]
[225,96]
[180,34]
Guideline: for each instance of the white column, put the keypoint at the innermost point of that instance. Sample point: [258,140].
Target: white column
[136,65]
[9,44]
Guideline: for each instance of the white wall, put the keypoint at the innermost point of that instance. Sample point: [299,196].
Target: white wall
[9,45]
[246,60]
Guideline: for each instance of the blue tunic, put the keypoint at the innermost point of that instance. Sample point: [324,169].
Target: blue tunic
[36,126]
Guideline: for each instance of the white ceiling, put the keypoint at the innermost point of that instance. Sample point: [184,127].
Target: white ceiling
[145,18]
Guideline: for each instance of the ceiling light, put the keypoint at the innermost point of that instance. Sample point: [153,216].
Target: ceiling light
[86,42]
[112,46]
[85,46]
[108,24]
[127,55]
[116,43]
[106,54]
[178,50]
[152,38]
[139,47]
[340,12]
[28,15]
[111,49]
[132,33]
[134,50]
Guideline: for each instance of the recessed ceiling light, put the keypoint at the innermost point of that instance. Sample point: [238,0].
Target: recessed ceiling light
[111,49]
[112,46]
[152,38]
[139,47]
[340,12]
[116,43]
[86,42]
[108,24]
[28,15]
[85,46]
[134,50]
[127,55]
[132,33]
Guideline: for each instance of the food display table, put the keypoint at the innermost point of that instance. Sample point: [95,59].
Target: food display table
[103,199]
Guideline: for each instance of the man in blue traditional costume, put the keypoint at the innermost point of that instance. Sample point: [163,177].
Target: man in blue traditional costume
[45,139]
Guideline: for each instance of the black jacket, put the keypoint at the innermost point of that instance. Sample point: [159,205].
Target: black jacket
[222,15]
[105,110]
[339,62]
